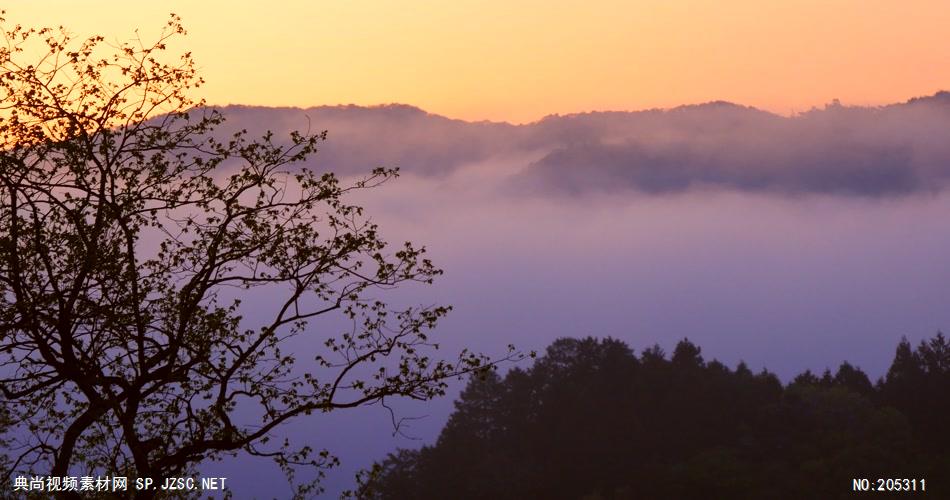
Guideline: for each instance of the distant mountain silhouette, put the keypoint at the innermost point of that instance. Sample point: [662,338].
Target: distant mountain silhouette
[891,150]
[941,98]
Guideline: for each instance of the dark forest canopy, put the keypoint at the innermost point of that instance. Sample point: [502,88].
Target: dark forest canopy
[593,420]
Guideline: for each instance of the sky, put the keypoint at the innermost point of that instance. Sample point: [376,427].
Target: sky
[519,61]
[789,239]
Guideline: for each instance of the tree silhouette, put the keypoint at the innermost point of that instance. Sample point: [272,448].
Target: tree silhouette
[128,233]
[592,420]
[917,384]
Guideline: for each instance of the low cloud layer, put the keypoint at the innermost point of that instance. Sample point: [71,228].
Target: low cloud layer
[744,262]
[853,151]
[895,150]
[362,138]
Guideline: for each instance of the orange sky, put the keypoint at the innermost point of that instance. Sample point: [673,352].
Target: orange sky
[520,60]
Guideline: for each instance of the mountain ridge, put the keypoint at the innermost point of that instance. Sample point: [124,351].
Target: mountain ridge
[405,110]
[866,151]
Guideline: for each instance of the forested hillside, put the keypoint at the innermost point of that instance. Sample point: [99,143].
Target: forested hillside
[591,419]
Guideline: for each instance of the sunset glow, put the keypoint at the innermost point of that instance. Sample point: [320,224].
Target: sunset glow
[474,249]
[519,61]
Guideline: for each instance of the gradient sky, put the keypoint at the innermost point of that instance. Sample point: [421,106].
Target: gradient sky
[519,61]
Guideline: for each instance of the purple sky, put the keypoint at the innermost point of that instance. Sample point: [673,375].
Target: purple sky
[790,243]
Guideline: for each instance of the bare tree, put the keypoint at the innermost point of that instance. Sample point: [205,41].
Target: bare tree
[127,233]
